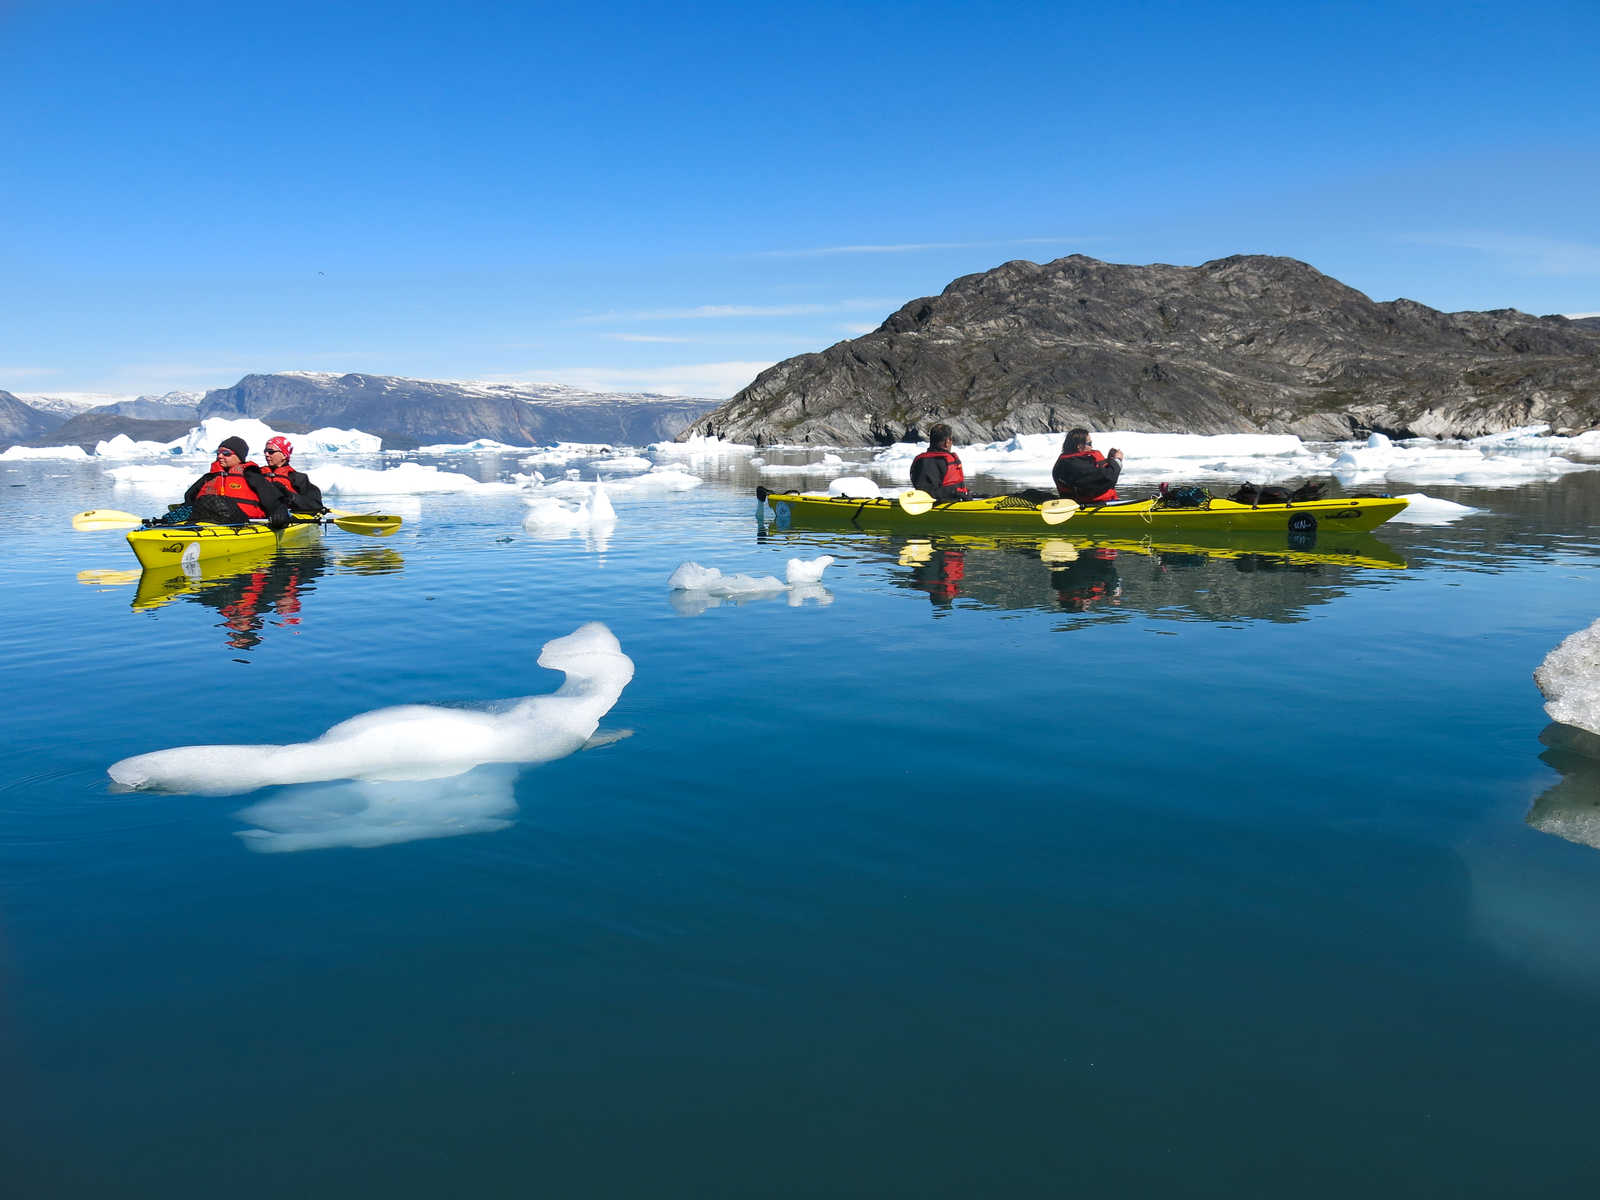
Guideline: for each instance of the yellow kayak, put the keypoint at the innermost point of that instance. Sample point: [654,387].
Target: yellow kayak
[166,545]
[1129,519]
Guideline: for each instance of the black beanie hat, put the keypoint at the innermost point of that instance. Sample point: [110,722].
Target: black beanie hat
[237,444]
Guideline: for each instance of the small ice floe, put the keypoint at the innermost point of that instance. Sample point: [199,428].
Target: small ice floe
[1569,677]
[855,487]
[593,512]
[163,481]
[58,453]
[695,588]
[700,446]
[476,446]
[563,454]
[412,741]
[402,479]
[1477,464]
[1422,509]
[622,464]
[657,480]
[124,449]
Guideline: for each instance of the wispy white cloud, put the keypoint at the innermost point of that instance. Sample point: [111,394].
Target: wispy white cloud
[704,312]
[645,337]
[857,328]
[1521,252]
[917,247]
[26,372]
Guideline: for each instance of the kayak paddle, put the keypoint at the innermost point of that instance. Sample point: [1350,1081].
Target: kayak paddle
[1056,511]
[915,501]
[376,524]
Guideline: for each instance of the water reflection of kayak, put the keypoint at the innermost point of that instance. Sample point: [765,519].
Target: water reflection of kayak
[1245,550]
[1134,518]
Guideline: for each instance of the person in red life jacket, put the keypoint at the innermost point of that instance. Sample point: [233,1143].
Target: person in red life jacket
[235,491]
[937,470]
[1083,474]
[301,493]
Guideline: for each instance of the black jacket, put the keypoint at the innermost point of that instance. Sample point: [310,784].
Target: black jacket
[1079,477]
[307,496]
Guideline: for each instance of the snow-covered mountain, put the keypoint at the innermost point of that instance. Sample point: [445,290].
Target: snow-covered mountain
[404,412]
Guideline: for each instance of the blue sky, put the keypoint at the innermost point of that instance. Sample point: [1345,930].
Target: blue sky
[671,197]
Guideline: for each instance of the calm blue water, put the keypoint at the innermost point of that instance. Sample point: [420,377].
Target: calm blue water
[1167,873]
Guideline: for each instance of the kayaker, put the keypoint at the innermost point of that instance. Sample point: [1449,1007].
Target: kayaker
[303,495]
[235,491]
[1082,473]
[937,470]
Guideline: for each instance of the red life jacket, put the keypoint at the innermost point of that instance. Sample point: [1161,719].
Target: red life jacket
[282,476]
[952,468]
[1096,458]
[234,487]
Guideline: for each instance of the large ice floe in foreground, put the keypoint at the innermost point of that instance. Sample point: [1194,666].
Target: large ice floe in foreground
[1569,677]
[412,741]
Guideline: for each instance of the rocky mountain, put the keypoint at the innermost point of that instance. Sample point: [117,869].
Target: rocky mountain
[411,412]
[406,413]
[1244,344]
[21,422]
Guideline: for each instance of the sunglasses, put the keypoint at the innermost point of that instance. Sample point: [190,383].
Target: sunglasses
[226,454]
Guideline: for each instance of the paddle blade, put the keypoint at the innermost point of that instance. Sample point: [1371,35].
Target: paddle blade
[372,524]
[1056,511]
[915,501]
[103,518]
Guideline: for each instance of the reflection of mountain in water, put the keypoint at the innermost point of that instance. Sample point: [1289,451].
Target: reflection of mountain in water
[1571,808]
[1244,579]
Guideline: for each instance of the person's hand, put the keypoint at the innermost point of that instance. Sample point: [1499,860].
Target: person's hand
[1115,453]
[278,518]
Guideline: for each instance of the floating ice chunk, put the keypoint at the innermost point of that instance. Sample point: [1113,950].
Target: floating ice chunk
[808,570]
[695,588]
[692,577]
[165,481]
[855,487]
[403,479]
[60,453]
[1569,677]
[1485,462]
[1427,510]
[593,511]
[476,446]
[124,448]
[562,453]
[622,464]
[657,480]
[700,446]
[412,741]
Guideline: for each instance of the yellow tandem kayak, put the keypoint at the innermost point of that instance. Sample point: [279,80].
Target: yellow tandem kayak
[1131,518]
[166,545]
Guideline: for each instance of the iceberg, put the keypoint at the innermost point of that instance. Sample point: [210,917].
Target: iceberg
[411,741]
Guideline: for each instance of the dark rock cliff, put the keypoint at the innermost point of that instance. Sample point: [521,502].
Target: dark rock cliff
[1243,344]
